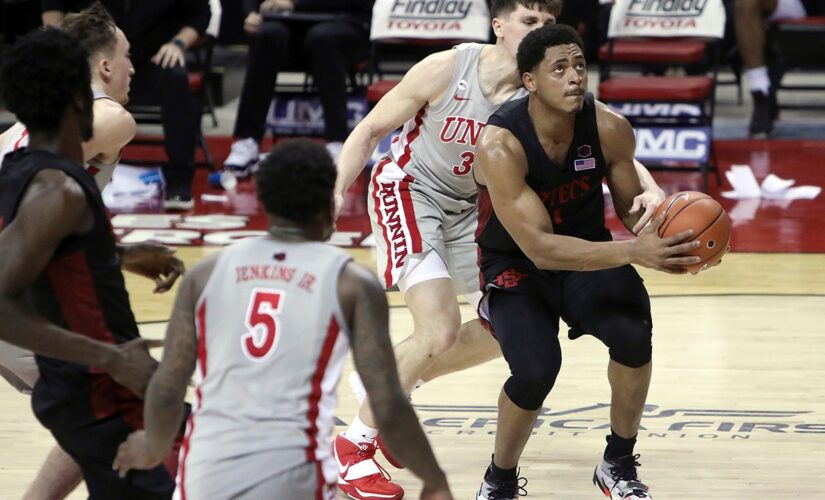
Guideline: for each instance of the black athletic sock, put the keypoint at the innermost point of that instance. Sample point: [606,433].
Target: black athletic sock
[498,474]
[618,446]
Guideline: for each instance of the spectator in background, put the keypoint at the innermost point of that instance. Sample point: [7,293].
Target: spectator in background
[160,32]
[329,47]
[62,293]
[750,18]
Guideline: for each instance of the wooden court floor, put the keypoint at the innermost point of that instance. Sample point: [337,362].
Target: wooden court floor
[736,409]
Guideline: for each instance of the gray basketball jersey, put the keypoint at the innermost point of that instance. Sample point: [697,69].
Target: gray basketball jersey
[272,341]
[437,147]
[18,137]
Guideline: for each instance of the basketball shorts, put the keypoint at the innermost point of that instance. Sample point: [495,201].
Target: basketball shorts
[18,367]
[593,302]
[409,219]
[218,480]
[94,448]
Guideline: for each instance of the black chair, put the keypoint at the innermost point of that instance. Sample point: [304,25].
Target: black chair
[799,44]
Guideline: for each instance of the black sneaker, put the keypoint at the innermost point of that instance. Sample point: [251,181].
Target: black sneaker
[178,198]
[492,489]
[762,116]
[618,479]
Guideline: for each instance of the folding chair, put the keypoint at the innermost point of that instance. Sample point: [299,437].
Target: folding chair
[799,42]
[399,39]
[672,115]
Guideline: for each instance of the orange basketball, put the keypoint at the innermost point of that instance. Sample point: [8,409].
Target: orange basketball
[710,223]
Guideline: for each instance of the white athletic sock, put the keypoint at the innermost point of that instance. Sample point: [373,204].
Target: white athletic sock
[358,432]
[758,79]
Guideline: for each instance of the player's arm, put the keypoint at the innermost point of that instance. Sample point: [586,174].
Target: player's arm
[425,82]
[619,146]
[154,261]
[365,306]
[26,247]
[649,200]
[502,168]
[114,128]
[631,185]
[163,408]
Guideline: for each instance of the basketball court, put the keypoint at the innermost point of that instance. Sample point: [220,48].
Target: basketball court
[736,409]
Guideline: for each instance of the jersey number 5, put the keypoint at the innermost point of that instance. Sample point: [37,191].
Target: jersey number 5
[262,324]
[467,159]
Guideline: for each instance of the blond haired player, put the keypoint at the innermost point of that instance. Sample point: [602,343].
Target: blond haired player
[422,206]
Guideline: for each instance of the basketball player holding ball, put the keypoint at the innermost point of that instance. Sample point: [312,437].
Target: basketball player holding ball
[546,254]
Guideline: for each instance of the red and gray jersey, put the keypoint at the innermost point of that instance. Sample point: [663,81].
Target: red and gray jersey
[18,137]
[436,148]
[272,342]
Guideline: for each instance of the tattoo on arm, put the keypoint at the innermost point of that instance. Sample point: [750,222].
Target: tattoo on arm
[375,362]
[163,410]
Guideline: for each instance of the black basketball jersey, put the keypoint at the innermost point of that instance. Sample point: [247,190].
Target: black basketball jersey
[81,289]
[571,191]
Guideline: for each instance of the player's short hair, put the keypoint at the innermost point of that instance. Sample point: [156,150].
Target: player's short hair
[531,50]
[295,180]
[93,28]
[500,8]
[42,74]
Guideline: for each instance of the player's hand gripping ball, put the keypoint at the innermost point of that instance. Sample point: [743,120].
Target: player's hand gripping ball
[709,221]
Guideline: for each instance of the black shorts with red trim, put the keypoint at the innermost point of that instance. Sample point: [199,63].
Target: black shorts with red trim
[94,448]
[93,444]
[606,304]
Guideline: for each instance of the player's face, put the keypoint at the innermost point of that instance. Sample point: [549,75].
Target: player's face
[512,28]
[121,70]
[560,80]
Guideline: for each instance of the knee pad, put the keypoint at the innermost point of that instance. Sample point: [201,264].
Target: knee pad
[631,342]
[528,393]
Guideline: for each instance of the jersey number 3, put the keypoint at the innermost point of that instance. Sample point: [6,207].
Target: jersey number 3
[261,338]
[467,159]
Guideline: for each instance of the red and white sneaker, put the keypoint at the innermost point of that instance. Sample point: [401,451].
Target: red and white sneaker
[360,394]
[359,475]
[386,452]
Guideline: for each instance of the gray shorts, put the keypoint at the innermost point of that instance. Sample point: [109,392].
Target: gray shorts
[409,219]
[18,367]
[297,483]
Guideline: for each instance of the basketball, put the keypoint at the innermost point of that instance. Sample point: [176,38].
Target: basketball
[710,223]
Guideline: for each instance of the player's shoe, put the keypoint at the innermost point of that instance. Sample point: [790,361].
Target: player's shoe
[178,198]
[491,489]
[242,157]
[386,452]
[618,479]
[359,475]
[361,394]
